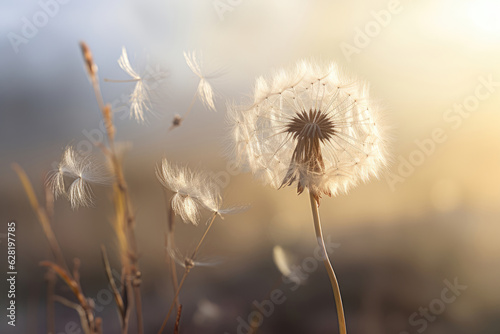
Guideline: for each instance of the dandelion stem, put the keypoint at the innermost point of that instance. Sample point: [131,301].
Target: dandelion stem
[204,235]
[193,100]
[170,244]
[328,265]
[186,272]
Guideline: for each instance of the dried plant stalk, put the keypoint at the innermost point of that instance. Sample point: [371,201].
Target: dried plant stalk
[124,220]
[178,320]
[41,214]
[72,281]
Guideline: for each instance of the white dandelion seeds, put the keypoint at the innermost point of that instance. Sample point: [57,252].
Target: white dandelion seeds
[192,191]
[81,171]
[204,91]
[186,187]
[312,126]
[139,99]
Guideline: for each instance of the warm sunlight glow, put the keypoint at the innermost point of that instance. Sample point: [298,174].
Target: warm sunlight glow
[484,14]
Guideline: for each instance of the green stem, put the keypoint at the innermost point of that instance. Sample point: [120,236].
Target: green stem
[328,265]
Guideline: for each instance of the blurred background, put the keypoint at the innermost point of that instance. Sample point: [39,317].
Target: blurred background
[432,220]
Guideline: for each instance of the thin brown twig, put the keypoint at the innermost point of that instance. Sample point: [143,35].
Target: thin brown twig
[51,284]
[41,214]
[98,325]
[178,320]
[112,283]
[122,200]
[138,302]
[186,272]
[84,305]
[60,266]
[78,308]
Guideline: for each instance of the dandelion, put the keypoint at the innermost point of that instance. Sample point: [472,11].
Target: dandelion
[313,127]
[81,170]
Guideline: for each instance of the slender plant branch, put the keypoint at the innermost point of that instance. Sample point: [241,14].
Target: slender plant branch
[204,236]
[328,265]
[51,285]
[188,268]
[193,100]
[170,244]
[178,320]
[181,283]
[112,283]
[42,216]
[131,268]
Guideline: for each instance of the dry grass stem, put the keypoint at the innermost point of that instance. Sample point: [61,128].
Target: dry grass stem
[41,214]
[178,320]
[112,283]
[125,220]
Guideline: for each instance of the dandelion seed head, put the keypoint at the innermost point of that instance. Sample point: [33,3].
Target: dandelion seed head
[313,127]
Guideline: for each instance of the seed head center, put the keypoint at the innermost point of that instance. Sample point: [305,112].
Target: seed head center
[311,125]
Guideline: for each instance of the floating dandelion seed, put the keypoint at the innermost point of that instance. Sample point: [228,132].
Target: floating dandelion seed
[312,126]
[282,261]
[139,99]
[204,91]
[81,171]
